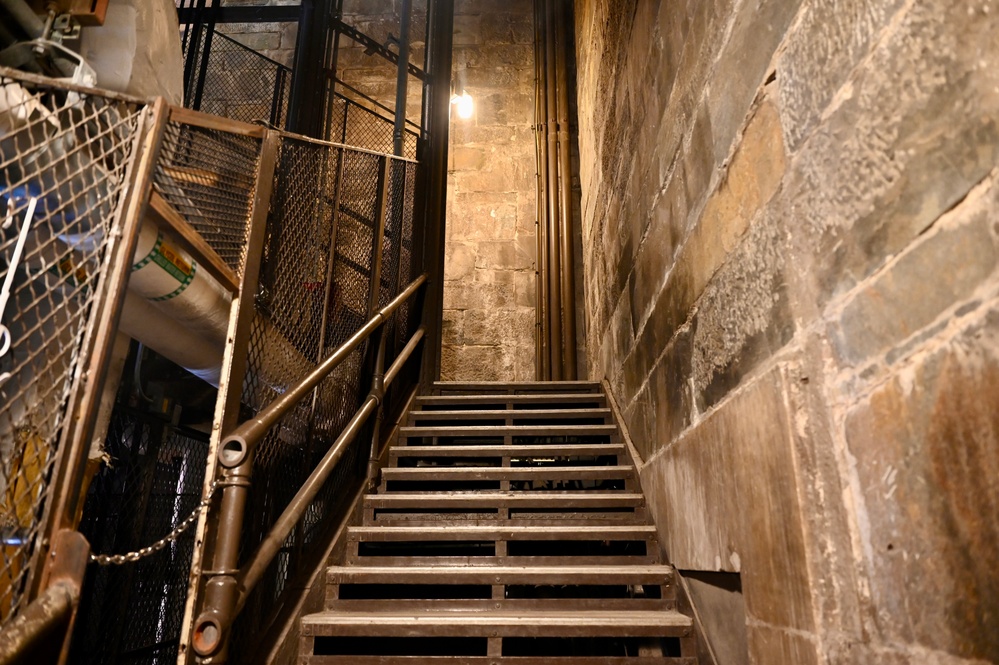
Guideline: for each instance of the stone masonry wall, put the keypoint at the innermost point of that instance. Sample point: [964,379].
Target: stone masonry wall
[791,236]
[489,287]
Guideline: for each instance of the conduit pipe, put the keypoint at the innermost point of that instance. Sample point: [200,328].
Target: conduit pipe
[567,279]
[541,207]
[554,246]
[556,275]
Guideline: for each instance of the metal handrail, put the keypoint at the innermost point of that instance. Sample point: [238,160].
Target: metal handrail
[370,100]
[241,441]
[250,574]
[214,622]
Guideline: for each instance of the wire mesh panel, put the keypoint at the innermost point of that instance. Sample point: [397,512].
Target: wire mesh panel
[355,125]
[64,165]
[132,613]
[208,175]
[239,83]
[315,292]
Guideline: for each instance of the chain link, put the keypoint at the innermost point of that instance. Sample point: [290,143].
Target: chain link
[118,559]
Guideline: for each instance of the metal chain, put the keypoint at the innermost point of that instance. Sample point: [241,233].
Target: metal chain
[118,559]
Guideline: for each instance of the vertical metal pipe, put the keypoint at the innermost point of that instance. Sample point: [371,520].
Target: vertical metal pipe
[378,392]
[206,52]
[402,79]
[429,234]
[554,246]
[541,205]
[567,281]
[381,211]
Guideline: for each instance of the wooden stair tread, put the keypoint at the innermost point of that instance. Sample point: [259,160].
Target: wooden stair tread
[504,532]
[544,575]
[545,398]
[536,386]
[510,450]
[546,499]
[564,472]
[525,622]
[498,660]
[509,430]
[491,414]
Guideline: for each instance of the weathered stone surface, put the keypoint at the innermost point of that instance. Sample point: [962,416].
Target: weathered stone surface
[744,316]
[725,498]
[927,463]
[911,292]
[908,142]
[832,37]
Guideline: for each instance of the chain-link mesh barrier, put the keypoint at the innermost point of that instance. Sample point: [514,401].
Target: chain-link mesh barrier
[64,166]
[208,176]
[238,82]
[64,160]
[132,613]
[315,292]
[352,124]
[245,85]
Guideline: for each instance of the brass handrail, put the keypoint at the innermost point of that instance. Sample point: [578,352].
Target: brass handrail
[241,441]
[253,570]
[234,586]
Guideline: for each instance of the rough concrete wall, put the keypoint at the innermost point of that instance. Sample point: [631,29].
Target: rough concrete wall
[489,288]
[791,232]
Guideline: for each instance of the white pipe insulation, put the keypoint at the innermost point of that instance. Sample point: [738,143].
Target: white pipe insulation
[174,308]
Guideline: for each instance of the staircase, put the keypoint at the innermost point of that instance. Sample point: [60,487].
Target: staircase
[508,527]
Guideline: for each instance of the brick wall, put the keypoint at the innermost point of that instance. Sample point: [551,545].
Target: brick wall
[791,231]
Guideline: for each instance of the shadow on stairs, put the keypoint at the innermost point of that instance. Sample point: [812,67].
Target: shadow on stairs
[508,527]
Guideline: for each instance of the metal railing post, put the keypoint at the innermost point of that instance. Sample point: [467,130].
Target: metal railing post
[210,631]
[377,361]
[378,393]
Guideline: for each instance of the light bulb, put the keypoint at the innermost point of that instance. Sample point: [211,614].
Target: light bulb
[465,106]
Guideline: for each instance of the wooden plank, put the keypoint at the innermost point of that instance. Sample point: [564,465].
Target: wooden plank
[506,560]
[173,223]
[553,500]
[465,431]
[539,386]
[623,604]
[547,519]
[460,532]
[491,660]
[515,451]
[208,121]
[519,414]
[536,575]
[453,473]
[584,623]
[552,398]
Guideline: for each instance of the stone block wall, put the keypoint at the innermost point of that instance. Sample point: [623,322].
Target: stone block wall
[791,231]
[489,288]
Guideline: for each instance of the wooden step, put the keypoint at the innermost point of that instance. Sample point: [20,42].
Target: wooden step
[518,414]
[505,450]
[504,387]
[584,623]
[466,431]
[535,575]
[553,500]
[489,588]
[532,473]
[461,532]
[494,660]
[547,399]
